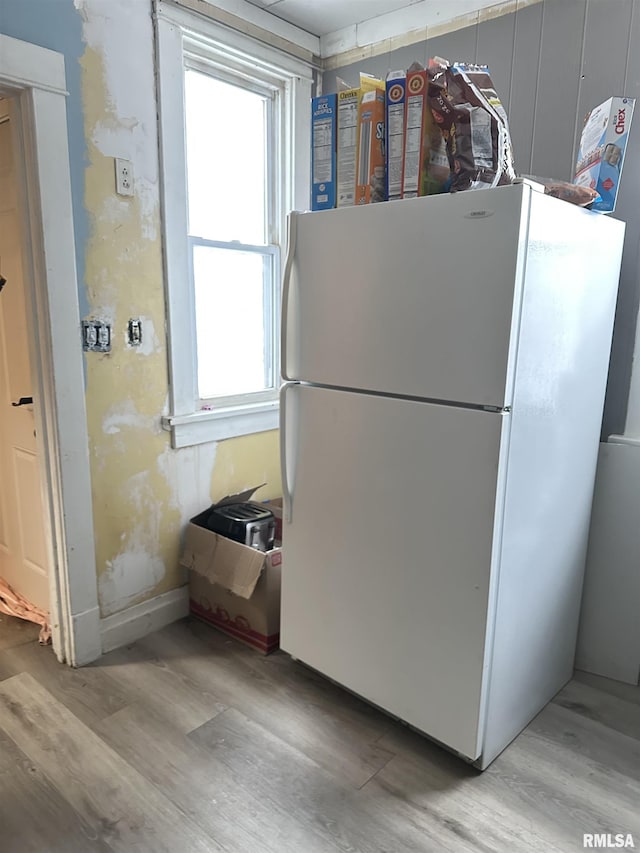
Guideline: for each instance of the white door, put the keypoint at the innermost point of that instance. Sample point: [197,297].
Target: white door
[414,297]
[387,554]
[23,553]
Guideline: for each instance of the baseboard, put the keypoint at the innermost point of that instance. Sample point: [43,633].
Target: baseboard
[86,637]
[136,622]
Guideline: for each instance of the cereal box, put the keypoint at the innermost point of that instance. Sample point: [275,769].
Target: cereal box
[348,103]
[396,88]
[371,184]
[324,123]
[414,129]
[601,153]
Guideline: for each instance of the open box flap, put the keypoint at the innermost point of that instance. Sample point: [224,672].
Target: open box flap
[220,560]
[240,498]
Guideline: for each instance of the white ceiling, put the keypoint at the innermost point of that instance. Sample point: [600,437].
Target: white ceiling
[331,28]
[324,16]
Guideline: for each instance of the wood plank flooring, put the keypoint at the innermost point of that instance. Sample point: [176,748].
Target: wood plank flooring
[15,632]
[188,741]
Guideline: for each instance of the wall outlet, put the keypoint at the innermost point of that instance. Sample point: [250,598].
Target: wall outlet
[124,176]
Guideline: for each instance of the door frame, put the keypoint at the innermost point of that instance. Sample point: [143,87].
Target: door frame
[34,78]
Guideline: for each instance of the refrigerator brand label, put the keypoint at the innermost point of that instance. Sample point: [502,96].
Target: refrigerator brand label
[479,214]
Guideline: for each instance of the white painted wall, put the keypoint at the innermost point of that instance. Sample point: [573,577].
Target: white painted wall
[609,639]
[418,17]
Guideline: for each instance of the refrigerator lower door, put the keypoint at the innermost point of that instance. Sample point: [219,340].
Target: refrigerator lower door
[389,519]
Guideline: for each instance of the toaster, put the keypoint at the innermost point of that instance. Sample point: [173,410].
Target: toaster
[248,523]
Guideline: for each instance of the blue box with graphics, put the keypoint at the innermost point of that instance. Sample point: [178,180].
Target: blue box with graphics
[601,154]
[395,102]
[324,121]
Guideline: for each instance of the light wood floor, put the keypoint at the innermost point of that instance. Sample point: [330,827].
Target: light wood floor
[187,741]
[15,632]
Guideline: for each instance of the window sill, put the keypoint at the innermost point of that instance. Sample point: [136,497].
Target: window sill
[203,427]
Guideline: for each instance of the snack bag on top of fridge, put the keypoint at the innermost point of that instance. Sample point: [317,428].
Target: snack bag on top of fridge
[474,123]
[581,196]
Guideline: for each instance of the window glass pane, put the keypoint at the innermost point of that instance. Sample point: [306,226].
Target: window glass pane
[226,133]
[230,296]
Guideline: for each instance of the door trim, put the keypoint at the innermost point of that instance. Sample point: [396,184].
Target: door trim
[34,78]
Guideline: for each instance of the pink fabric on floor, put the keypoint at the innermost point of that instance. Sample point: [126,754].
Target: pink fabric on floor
[15,604]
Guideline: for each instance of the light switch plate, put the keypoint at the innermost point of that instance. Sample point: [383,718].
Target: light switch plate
[134,332]
[96,336]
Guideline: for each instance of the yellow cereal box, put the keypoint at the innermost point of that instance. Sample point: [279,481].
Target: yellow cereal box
[371,183]
[348,103]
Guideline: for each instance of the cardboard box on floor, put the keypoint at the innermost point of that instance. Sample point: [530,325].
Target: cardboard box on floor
[234,587]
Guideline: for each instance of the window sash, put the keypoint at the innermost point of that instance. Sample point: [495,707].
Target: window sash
[275,93]
[271,324]
[274,229]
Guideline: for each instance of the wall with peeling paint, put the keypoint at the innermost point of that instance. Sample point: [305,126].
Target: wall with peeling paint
[143,490]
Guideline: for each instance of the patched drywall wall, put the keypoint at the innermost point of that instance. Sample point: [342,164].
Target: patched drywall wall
[143,490]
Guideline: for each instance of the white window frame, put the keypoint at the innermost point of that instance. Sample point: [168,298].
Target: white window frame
[187,40]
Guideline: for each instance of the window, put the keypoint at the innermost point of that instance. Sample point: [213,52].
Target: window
[234,129]
[234,238]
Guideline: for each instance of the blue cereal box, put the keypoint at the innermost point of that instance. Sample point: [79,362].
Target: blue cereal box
[396,92]
[323,151]
[601,153]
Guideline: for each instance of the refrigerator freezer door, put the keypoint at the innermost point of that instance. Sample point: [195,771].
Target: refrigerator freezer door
[414,298]
[387,553]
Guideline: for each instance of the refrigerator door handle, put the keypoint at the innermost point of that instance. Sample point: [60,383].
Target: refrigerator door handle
[287,496]
[292,221]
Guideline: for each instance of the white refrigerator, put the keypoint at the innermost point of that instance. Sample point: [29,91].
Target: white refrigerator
[444,363]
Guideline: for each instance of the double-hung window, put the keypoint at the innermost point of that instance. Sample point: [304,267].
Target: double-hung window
[234,234]
[234,130]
